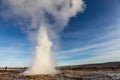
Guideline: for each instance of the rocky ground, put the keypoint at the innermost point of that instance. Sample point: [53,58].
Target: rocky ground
[103,71]
[65,75]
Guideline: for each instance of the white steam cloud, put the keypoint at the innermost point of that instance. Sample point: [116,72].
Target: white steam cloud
[46,17]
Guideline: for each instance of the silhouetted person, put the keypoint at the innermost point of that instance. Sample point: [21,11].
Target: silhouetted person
[25,68]
[5,68]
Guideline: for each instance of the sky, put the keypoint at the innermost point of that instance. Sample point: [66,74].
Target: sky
[92,36]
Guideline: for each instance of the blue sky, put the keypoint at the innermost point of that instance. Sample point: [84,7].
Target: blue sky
[91,37]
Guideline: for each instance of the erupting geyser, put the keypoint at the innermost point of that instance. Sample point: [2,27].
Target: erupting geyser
[45,17]
[43,63]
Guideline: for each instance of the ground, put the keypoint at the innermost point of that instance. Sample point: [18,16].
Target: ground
[64,75]
[106,71]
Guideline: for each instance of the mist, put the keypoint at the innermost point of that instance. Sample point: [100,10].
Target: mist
[47,18]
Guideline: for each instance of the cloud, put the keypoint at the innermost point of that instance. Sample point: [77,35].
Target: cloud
[106,46]
[113,43]
[9,50]
[14,56]
[112,56]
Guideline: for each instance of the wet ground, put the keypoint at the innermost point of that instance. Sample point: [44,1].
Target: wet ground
[64,75]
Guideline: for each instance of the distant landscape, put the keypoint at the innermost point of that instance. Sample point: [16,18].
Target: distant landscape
[101,71]
[97,66]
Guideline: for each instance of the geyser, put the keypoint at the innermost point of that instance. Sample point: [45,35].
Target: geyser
[47,18]
[43,62]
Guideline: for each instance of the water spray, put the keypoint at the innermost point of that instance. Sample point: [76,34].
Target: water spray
[45,16]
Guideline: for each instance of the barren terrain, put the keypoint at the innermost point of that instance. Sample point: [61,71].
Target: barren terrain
[108,71]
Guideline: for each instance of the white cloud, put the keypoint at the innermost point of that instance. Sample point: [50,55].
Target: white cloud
[10,56]
[111,43]
[108,49]
[112,56]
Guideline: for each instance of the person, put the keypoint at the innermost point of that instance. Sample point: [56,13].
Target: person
[5,68]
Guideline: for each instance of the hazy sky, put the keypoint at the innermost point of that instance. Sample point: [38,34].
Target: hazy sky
[91,37]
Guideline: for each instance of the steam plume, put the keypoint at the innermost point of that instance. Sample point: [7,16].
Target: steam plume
[43,63]
[47,17]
